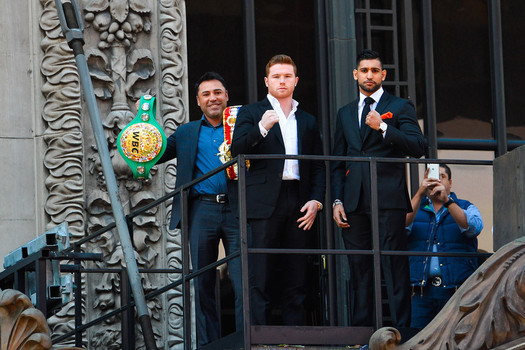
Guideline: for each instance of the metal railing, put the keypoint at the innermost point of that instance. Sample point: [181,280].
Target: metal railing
[331,334]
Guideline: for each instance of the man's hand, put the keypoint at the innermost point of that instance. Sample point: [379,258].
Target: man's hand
[269,118]
[373,119]
[340,216]
[428,185]
[433,188]
[438,193]
[306,221]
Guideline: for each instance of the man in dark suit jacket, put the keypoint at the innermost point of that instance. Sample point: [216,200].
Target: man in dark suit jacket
[283,197]
[195,145]
[387,128]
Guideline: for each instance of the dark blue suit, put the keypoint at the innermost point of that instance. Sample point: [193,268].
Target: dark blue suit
[209,222]
[351,184]
[273,207]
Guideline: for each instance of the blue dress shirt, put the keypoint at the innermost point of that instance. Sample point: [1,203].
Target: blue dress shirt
[210,138]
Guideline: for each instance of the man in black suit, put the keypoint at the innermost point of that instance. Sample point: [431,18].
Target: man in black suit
[283,196]
[388,127]
[196,145]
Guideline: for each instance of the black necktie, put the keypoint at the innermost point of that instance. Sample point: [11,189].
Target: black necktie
[366,110]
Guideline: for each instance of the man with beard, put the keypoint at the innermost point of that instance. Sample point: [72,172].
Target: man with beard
[377,124]
[196,145]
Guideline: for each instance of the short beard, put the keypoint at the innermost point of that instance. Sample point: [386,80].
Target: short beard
[372,89]
[215,116]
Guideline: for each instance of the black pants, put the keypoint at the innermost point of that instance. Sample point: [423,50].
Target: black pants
[279,231]
[209,223]
[395,269]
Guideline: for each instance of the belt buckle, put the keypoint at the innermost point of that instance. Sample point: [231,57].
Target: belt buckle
[220,198]
[436,281]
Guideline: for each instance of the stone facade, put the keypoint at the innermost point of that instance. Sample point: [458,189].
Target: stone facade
[52,167]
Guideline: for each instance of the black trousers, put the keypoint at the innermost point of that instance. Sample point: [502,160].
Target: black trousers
[209,224]
[279,231]
[395,269]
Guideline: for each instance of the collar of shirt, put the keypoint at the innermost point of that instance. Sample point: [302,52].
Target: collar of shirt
[277,107]
[205,122]
[376,96]
[439,213]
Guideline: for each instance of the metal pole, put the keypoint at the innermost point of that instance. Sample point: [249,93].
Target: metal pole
[70,21]
[78,299]
[186,284]
[243,225]
[250,56]
[324,113]
[428,47]
[498,84]
[375,244]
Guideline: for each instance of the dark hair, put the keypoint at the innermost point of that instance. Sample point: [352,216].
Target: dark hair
[368,55]
[447,170]
[280,59]
[207,77]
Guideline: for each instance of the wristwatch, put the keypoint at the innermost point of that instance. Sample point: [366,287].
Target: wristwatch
[337,202]
[382,127]
[449,202]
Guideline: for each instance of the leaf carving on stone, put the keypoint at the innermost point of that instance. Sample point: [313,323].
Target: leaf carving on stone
[140,67]
[96,5]
[100,73]
[140,6]
[499,293]
[119,9]
[487,311]
[22,326]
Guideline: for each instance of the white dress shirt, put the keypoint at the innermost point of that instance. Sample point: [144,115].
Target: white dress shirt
[288,125]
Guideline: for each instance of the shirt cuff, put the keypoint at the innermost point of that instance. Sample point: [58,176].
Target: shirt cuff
[263,131]
[319,205]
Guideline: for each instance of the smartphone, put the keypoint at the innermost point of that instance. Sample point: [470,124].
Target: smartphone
[433,171]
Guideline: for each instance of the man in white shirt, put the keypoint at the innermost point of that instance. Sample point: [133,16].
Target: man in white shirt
[283,196]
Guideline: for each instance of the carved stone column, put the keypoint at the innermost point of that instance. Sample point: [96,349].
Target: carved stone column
[133,47]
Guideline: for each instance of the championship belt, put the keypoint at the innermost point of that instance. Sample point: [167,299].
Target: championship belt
[142,142]
[225,155]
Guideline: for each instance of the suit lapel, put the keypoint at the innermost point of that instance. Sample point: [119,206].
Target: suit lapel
[383,103]
[194,135]
[351,124]
[301,128]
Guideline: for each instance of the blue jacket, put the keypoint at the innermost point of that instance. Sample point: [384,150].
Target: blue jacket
[448,237]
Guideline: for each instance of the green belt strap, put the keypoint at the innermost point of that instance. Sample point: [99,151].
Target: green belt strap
[142,142]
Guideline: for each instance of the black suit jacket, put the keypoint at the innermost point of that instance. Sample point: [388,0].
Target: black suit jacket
[403,138]
[182,144]
[263,180]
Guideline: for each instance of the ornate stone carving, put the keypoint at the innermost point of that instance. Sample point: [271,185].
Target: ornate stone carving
[61,113]
[64,157]
[172,97]
[487,312]
[118,68]
[22,327]
[118,34]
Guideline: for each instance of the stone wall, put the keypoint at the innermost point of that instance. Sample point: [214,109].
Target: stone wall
[52,172]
